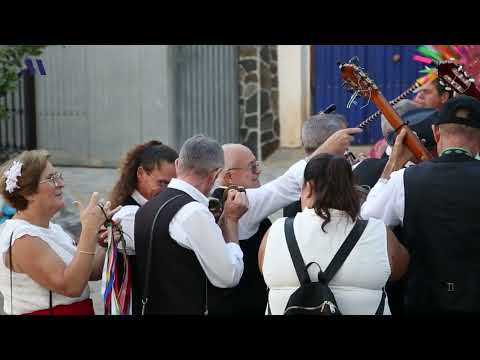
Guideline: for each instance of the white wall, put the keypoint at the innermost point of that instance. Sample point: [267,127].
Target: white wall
[97,101]
[294,92]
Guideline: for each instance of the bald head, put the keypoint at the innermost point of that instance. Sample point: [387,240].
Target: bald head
[234,153]
[240,167]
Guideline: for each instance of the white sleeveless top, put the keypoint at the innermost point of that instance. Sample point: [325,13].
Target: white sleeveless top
[358,284]
[28,295]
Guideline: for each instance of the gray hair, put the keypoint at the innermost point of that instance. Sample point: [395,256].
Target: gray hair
[319,128]
[201,155]
[402,107]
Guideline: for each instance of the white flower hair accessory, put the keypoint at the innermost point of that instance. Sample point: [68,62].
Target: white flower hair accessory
[12,174]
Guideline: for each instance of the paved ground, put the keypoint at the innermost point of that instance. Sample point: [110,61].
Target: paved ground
[80,183]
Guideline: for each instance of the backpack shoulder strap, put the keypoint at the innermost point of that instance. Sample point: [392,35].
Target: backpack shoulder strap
[295,253]
[381,306]
[345,249]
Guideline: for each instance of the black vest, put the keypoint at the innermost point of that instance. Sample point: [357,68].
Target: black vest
[249,297]
[442,228]
[177,281]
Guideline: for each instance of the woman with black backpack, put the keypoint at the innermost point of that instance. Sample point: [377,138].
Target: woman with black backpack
[326,260]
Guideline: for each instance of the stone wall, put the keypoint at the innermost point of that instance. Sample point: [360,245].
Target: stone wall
[259,121]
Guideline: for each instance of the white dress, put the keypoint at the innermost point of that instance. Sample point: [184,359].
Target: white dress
[358,284]
[29,296]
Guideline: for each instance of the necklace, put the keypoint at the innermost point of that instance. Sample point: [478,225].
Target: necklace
[456,150]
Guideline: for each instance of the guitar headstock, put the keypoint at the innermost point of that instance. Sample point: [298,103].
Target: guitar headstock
[454,77]
[357,80]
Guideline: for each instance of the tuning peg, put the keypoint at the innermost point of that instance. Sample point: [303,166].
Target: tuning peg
[472,80]
[448,88]
[441,82]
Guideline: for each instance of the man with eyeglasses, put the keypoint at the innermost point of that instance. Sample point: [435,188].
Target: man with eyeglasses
[250,295]
[242,169]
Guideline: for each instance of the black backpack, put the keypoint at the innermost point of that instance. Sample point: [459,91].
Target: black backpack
[316,298]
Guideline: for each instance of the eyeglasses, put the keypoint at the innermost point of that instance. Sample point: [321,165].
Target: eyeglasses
[56,179]
[254,167]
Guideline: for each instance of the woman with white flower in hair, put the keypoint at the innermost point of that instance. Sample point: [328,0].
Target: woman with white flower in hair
[42,270]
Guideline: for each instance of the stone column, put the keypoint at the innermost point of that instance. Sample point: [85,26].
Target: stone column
[259,116]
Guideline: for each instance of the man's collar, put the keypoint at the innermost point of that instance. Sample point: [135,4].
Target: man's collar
[139,198]
[189,189]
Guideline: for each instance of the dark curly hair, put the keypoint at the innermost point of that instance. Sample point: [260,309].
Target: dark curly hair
[333,182]
[149,156]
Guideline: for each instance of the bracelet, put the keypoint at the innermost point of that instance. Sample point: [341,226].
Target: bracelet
[86,252]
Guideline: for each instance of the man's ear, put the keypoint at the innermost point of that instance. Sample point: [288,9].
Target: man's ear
[436,133]
[227,178]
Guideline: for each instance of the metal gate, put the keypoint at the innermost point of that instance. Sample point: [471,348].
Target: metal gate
[18,131]
[390,66]
[207,92]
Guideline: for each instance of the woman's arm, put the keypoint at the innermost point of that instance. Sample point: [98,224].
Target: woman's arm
[397,255]
[98,263]
[35,258]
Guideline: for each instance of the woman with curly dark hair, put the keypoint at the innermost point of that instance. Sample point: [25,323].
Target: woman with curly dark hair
[331,208]
[145,172]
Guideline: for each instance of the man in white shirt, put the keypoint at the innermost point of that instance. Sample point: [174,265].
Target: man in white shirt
[315,131]
[284,190]
[189,251]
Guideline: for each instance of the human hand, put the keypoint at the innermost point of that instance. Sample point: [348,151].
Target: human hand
[338,142]
[401,154]
[92,216]
[236,205]
[103,234]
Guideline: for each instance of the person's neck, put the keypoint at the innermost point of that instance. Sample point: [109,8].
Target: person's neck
[197,182]
[456,145]
[34,217]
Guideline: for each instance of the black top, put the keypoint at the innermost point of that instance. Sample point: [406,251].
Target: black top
[441,226]
[369,171]
[249,297]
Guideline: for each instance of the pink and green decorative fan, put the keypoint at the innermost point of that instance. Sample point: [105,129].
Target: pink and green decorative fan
[466,55]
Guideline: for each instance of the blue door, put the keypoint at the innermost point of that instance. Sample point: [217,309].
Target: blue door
[390,66]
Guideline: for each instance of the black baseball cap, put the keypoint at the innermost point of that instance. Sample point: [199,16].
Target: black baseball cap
[461,109]
[420,121]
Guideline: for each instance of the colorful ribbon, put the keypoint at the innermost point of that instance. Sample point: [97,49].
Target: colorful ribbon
[118,292]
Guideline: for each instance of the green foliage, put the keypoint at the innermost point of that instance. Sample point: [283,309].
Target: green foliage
[11,63]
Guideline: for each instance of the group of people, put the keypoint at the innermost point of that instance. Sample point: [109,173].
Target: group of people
[417,253]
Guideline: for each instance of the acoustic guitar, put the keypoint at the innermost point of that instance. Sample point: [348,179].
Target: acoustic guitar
[358,81]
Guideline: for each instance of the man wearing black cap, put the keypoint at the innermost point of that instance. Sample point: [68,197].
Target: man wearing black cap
[437,204]
[369,171]
[420,121]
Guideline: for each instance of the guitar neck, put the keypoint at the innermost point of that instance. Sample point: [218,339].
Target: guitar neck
[412,141]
